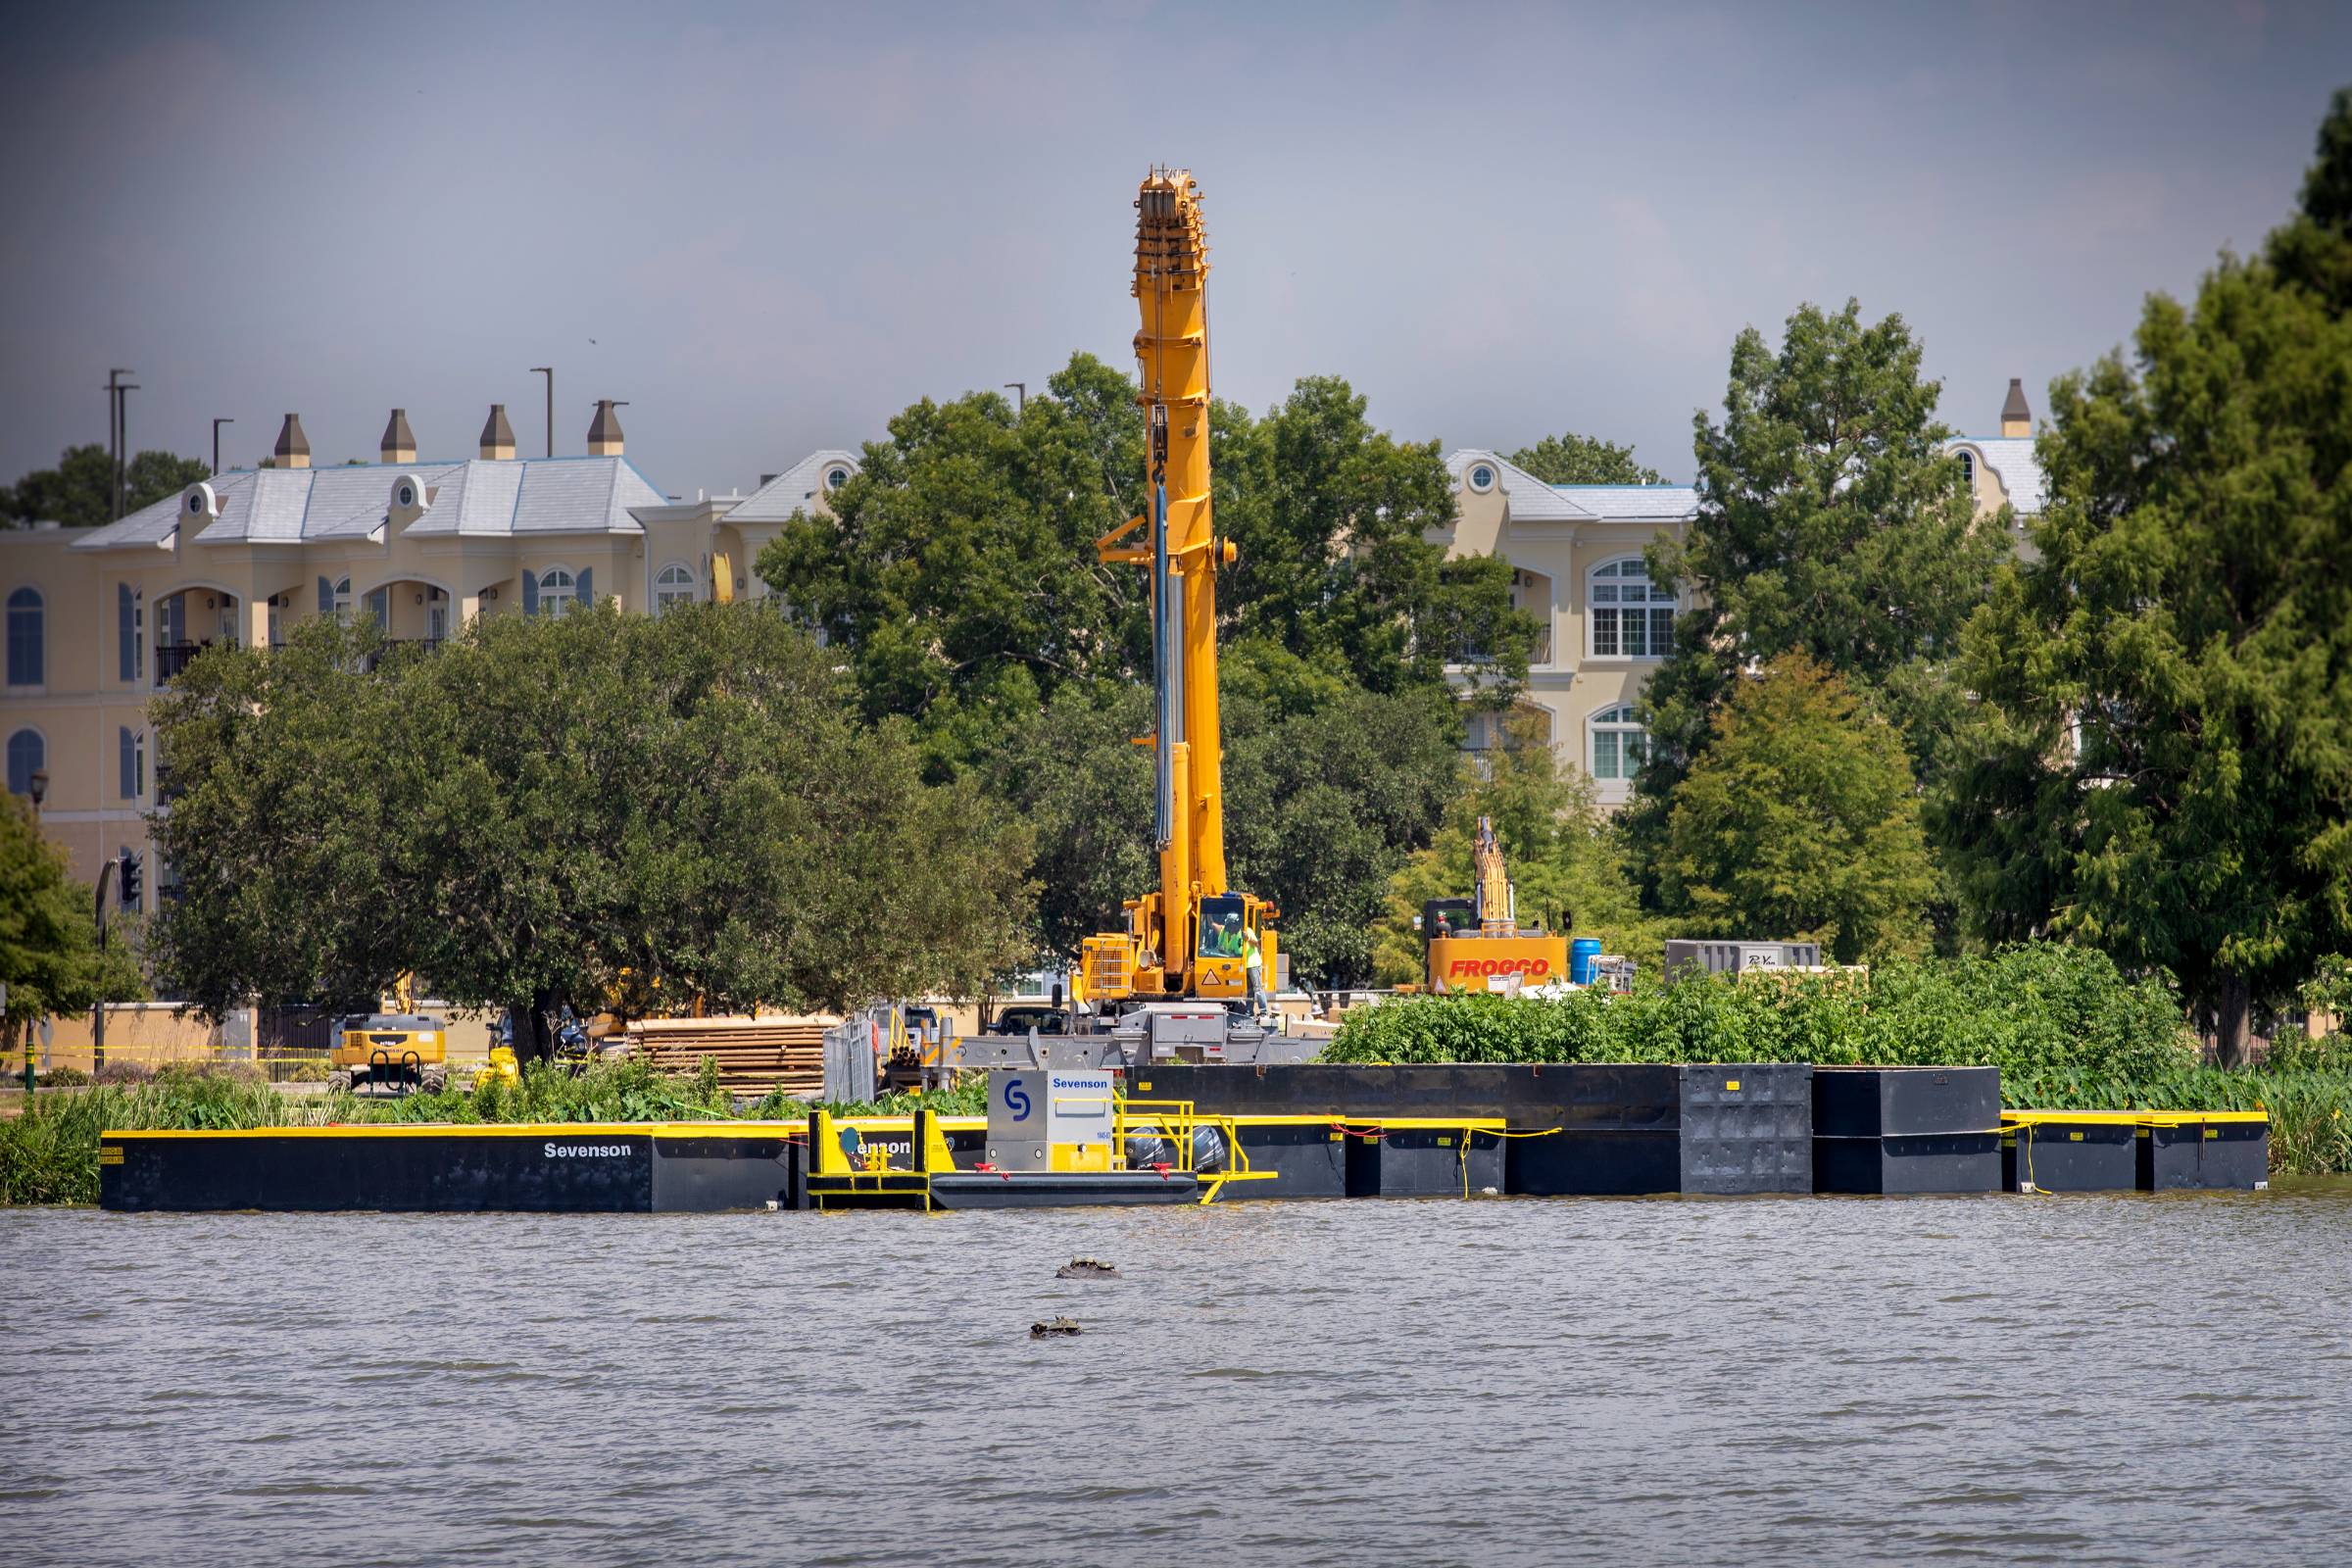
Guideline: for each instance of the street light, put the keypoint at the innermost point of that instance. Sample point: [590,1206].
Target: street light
[40,789]
[1020,390]
[216,425]
[549,372]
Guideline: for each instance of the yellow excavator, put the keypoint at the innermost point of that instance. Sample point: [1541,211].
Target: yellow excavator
[1472,944]
[1194,936]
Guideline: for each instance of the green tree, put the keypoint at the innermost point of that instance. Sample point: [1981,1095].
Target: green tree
[1337,578]
[50,959]
[559,811]
[1572,459]
[1799,819]
[301,778]
[2162,762]
[957,568]
[1321,806]
[1567,860]
[75,492]
[1831,522]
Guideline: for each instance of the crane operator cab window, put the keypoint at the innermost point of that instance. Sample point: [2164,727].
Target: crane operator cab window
[1221,921]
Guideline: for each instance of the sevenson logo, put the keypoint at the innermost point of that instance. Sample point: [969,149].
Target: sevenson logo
[586,1151]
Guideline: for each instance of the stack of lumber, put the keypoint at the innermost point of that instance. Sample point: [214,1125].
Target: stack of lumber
[754,1054]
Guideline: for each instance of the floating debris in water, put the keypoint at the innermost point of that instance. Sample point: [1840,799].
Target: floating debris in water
[1086,1268]
[1053,1327]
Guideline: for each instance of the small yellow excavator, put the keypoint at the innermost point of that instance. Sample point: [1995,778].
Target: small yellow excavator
[400,1048]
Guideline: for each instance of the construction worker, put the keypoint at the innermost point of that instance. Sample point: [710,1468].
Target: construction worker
[1254,965]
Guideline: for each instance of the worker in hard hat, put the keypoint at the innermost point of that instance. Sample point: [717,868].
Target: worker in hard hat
[1254,965]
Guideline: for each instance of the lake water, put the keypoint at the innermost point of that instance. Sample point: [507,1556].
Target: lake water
[2007,1380]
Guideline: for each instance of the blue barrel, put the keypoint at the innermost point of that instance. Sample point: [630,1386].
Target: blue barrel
[1583,954]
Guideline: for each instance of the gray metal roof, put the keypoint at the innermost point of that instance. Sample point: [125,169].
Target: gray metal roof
[794,489]
[1638,503]
[1531,498]
[475,497]
[2012,457]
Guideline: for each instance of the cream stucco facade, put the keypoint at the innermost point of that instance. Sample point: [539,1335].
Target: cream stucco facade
[1577,552]
[100,619]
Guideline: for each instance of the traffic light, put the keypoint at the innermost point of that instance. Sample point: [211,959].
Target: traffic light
[130,879]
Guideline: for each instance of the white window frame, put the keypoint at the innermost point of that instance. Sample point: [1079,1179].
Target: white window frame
[557,600]
[1617,723]
[340,598]
[1615,571]
[1967,467]
[667,594]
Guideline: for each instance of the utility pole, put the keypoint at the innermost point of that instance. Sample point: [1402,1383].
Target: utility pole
[549,372]
[1020,390]
[122,444]
[106,871]
[114,436]
[216,425]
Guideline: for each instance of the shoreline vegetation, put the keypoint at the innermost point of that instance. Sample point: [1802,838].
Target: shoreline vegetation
[49,1153]
[2068,1030]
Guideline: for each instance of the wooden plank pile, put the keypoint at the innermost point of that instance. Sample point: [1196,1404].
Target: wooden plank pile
[754,1054]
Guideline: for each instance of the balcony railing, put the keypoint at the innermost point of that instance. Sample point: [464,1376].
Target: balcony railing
[397,646]
[173,657]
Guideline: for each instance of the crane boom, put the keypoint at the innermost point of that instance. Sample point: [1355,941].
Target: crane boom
[1188,938]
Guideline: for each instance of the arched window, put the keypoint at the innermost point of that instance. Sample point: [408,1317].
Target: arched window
[673,584]
[1619,745]
[342,601]
[557,592]
[1967,467]
[1632,617]
[28,754]
[131,761]
[24,642]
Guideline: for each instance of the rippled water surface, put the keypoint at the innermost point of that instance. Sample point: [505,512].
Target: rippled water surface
[2000,1378]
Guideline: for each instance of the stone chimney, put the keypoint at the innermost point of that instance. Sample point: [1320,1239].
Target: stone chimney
[2017,419]
[398,445]
[603,431]
[293,447]
[497,436]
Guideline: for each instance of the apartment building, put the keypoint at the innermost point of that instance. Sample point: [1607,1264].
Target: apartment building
[1577,557]
[99,618]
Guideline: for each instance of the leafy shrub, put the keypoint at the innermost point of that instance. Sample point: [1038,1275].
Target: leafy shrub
[2298,1052]
[2037,1007]
[64,1078]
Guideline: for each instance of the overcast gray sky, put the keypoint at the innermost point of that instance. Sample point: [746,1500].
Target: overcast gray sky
[768,228]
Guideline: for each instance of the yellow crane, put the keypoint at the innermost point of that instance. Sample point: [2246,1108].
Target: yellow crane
[1190,936]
